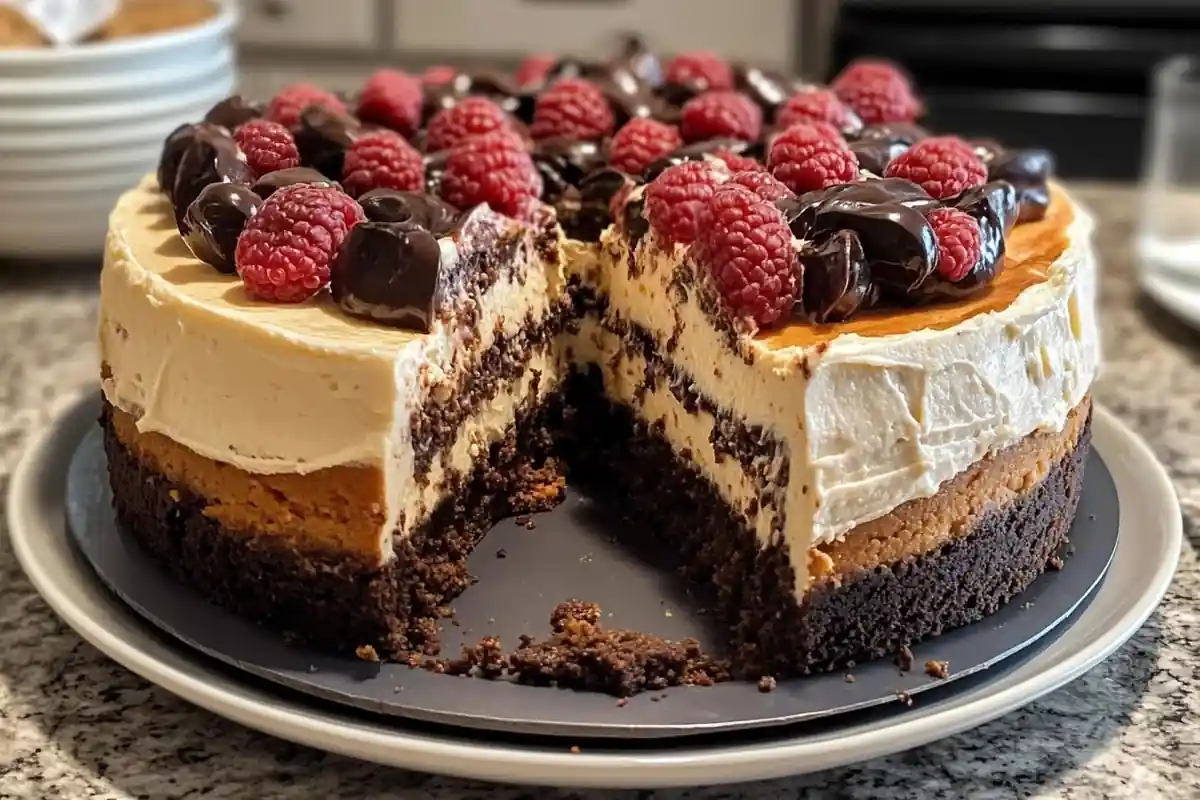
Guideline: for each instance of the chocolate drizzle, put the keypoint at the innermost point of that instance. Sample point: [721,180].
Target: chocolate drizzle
[214,221]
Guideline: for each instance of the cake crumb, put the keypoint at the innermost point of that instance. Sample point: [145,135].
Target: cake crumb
[904,697]
[501,553]
[848,678]
[1055,563]
[904,658]
[767,683]
[622,702]
[937,669]
[575,748]
[312,668]
[366,652]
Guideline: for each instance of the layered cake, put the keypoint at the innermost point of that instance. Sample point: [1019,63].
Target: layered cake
[839,365]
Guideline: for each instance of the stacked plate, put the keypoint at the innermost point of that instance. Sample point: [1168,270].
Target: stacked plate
[79,125]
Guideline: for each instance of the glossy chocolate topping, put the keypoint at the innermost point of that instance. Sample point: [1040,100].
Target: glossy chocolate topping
[835,278]
[389,272]
[564,162]
[174,145]
[233,111]
[994,207]
[435,168]
[698,151]
[876,145]
[214,221]
[323,138]
[212,156]
[272,182]
[767,88]
[415,209]
[497,88]
[886,215]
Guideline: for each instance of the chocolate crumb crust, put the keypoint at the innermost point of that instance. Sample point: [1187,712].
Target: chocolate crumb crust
[339,603]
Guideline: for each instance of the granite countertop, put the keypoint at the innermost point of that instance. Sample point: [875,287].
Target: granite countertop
[74,724]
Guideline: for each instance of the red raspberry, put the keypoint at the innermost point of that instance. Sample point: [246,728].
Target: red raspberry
[746,246]
[943,165]
[573,108]
[534,69]
[284,253]
[720,115]
[820,105]
[471,116]
[959,242]
[701,68]
[763,184]
[738,163]
[494,168]
[675,200]
[286,106]
[393,99]
[640,141]
[267,145]
[805,157]
[877,92]
[382,159]
[438,74]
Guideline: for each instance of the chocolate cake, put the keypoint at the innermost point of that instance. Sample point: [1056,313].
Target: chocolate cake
[839,365]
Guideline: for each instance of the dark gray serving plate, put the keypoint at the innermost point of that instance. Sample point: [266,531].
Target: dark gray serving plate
[570,554]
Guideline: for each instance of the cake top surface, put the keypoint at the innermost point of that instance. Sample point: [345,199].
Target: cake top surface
[804,211]
[143,234]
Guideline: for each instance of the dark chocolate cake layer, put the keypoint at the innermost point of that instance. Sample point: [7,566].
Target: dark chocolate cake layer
[341,603]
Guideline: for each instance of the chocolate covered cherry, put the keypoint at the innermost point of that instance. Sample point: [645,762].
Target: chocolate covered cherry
[214,221]
[836,278]
[212,156]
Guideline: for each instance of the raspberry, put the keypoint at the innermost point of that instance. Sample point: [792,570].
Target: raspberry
[393,99]
[471,116]
[382,159]
[701,68]
[640,141]
[573,108]
[746,247]
[438,74]
[959,242]
[877,92]
[494,168]
[286,106]
[820,105]
[675,200]
[738,163]
[534,69]
[805,157]
[284,253]
[943,165]
[720,115]
[267,145]
[763,184]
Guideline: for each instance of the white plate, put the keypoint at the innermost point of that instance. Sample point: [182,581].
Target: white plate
[1147,553]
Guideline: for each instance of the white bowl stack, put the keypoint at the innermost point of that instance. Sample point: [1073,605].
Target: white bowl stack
[79,125]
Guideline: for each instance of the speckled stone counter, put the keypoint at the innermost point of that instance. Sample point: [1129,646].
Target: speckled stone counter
[74,724]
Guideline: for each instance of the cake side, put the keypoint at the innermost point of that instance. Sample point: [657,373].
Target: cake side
[189,356]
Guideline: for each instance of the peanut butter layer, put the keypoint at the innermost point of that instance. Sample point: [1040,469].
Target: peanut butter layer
[1030,249]
[923,525]
[340,508]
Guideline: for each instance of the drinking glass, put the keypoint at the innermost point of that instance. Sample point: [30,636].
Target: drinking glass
[1168,238]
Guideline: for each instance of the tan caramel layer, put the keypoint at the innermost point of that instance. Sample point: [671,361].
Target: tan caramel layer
[1029,251]
[925,524]
[340,508]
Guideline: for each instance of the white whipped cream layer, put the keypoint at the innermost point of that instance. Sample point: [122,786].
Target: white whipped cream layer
[287,388]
